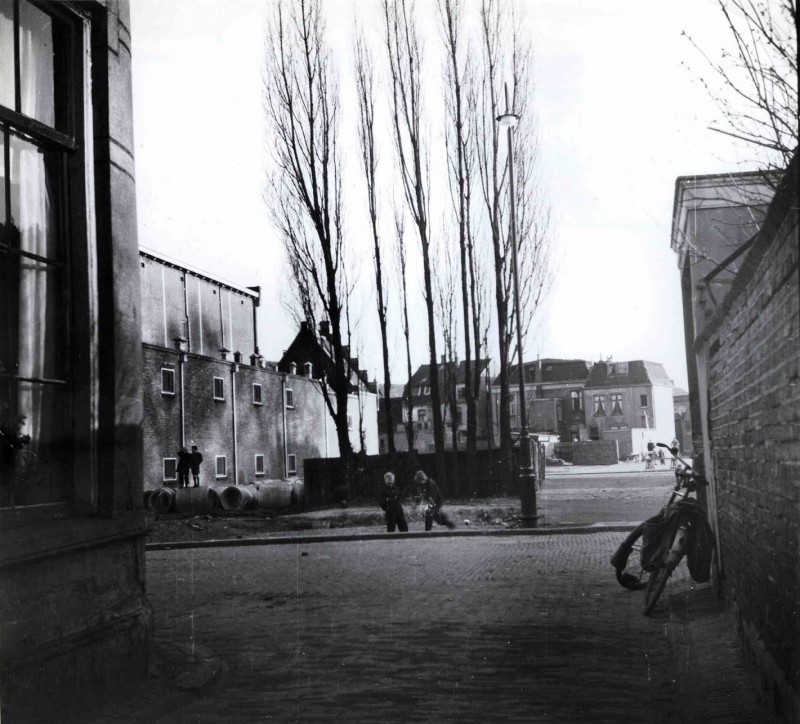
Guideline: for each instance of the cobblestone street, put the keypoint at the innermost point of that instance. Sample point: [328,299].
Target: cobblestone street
[515,628]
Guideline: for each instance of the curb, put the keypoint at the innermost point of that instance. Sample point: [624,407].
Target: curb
[305,540]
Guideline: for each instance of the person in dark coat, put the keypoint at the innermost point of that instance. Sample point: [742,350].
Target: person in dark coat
[195,458]
[429,497]
[184,464]
[392,506]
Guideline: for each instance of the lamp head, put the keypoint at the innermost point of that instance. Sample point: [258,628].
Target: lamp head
[508,120]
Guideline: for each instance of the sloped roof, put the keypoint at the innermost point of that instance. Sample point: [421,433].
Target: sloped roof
[549,371]
[640,372]
[422,376]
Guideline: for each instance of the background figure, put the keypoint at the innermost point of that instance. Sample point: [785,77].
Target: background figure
[391,505]
[184,463]
[428,495]
[195,459]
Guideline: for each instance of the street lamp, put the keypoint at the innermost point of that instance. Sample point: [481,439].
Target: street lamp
[527,478]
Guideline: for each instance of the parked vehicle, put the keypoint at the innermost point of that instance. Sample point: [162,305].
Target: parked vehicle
[658,545]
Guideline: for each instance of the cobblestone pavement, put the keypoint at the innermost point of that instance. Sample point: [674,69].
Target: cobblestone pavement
[485,629]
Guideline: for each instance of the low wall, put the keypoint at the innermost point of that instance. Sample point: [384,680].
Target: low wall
[595,452]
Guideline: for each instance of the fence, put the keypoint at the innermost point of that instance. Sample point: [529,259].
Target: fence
[326,484]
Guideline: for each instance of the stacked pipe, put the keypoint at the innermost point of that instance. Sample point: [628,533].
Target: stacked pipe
[269,494]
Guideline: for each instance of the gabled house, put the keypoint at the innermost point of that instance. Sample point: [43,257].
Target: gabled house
[630,402]
[311,354]
[419,390]
[553,398]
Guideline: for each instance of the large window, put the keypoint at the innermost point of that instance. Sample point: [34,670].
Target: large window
[40,110]
[577,400]
[616,403]
[219,389]
[599,405]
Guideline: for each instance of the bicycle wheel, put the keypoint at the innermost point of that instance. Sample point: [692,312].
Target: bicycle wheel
[655,586]
[627,561]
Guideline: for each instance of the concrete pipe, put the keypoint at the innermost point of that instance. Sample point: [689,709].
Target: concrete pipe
[237,497]
[162,500]
[193,500]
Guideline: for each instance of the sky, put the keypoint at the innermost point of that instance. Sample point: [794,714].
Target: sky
[621,115]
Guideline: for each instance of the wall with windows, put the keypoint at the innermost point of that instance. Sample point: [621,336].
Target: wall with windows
[73,613]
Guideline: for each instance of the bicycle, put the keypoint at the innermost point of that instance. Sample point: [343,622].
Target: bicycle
[680,529]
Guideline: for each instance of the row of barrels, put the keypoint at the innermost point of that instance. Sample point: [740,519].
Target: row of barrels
[270,494]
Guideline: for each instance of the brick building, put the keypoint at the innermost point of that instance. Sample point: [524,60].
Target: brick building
[630,402]
[73,614]
[737,243]
[553,397]
[419,389]
[205,384]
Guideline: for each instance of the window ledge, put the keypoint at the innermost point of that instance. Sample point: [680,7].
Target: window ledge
[61,537]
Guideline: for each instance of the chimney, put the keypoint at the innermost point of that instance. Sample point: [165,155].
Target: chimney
[224,353]
[304,326]
[308,369]
[293,368]
[255,360]
[180,343]
[237,358]
[355,363]
[325,328]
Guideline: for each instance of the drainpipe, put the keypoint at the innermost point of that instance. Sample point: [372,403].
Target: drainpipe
[179,342]
[234,370]
[283,415]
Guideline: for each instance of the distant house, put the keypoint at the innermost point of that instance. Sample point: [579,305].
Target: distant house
[553,398]
[311,354]
[419,389]
[630,402]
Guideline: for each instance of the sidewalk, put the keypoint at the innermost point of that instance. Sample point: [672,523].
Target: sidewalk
[687,654]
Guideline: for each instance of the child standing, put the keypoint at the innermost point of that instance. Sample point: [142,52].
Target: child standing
[391,505]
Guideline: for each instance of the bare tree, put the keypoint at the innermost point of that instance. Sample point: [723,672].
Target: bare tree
[757,81]
[404,51]
[301,100]
[446,283]
[457,74]
[500,27]
[400,260]
[365,83]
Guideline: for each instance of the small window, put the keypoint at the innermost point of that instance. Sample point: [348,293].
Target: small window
[167,381]
[643,400]
[622,368]
[599,405]
[577,400]
[616,404]
[291,464]
[349,422]
[170,469]
[221,466]
[259,464]
[257,395]
[290,399]
[219,388]
[422,414]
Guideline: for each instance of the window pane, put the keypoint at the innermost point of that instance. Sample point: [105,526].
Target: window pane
[34,319]
[7,53]
[36,63]
[38,470]
[34,198]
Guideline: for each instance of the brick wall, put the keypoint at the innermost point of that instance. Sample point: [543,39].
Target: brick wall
[595,452]
[754,399]
[209,423]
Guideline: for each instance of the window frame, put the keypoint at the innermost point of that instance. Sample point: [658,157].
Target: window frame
[217,474]
[291,464]
[171,372]
[616,404]
[174,462]
[258,399]
[77,255]
[288,398]
[221,380]
[263,470]
[646,398]
[599,405]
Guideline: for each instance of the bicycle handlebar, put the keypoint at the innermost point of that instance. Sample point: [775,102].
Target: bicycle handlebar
[687,472]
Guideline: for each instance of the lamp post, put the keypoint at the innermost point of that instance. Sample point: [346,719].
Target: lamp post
[527,478]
